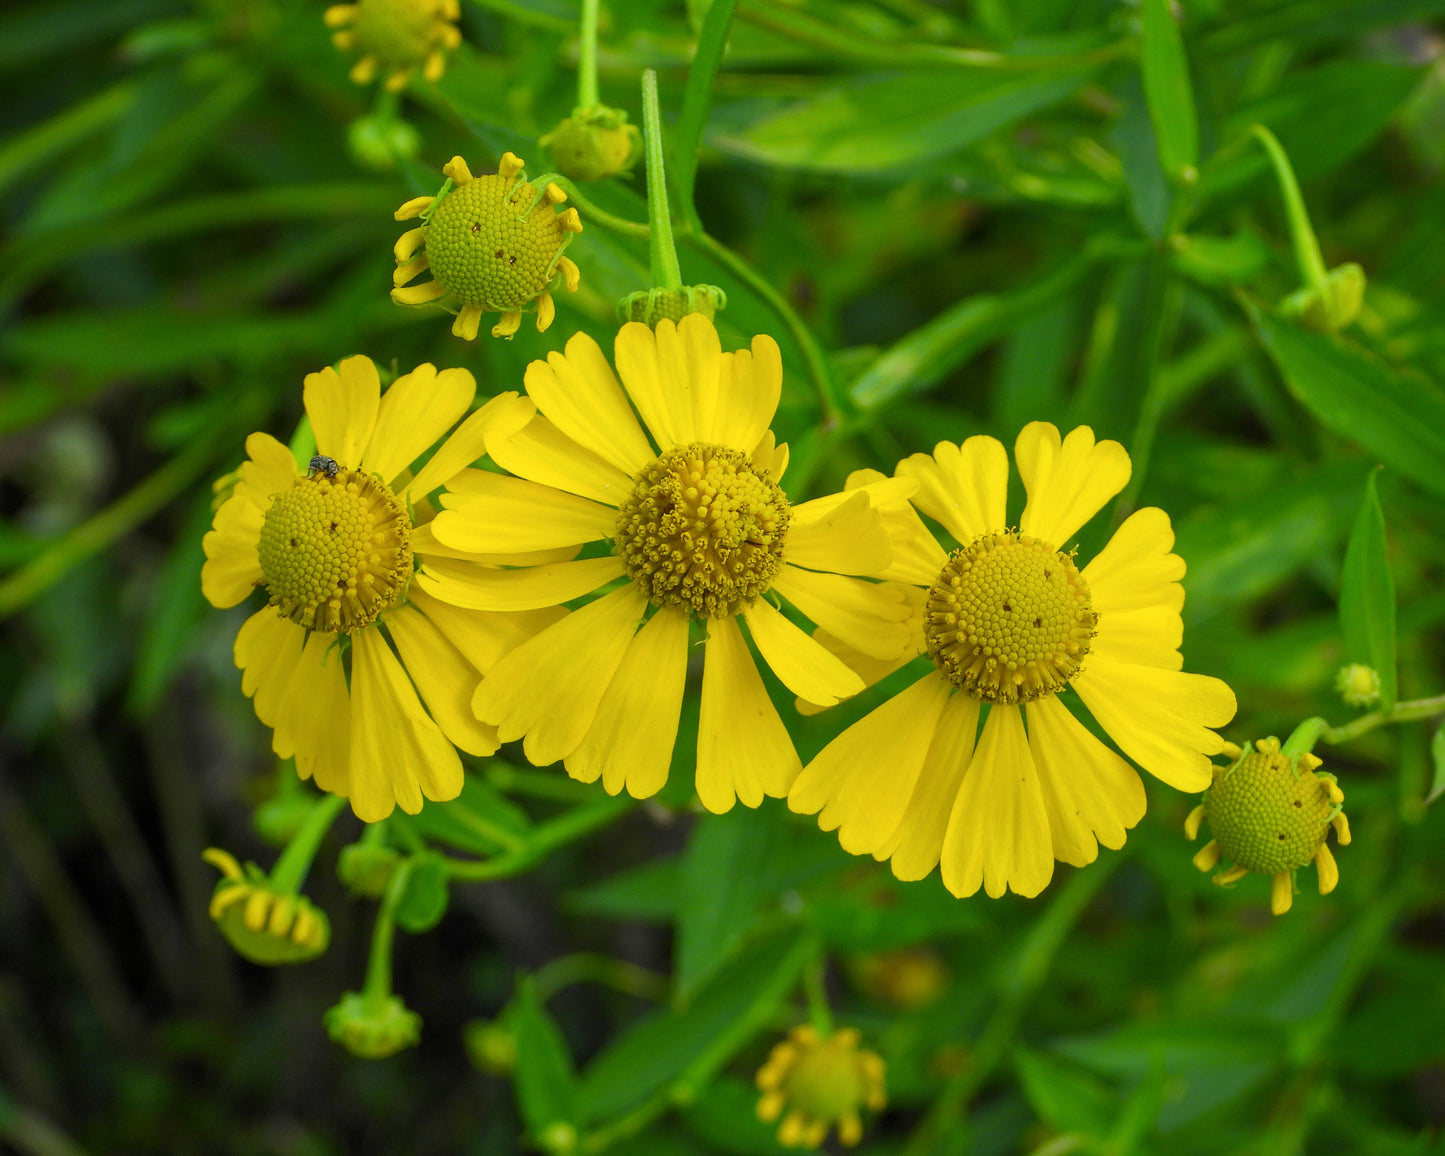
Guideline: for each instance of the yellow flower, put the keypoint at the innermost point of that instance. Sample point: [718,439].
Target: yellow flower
[1009,621]
[335,547]
[697,530]
[264,923]
[491,244]
[396,37]
[1270,813]
[821,1084]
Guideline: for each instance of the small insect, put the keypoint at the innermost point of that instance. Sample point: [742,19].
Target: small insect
[321,464]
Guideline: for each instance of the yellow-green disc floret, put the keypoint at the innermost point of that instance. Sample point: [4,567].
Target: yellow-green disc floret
[396,37]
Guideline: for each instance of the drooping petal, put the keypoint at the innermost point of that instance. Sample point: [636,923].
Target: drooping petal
[318,716]
[998,834]
[917,556]
[413,416]
[268,652]
[484,639]
[547,690]
[871,616]
[1089,791]
[743,749]
[873,670]
[1067,482]
[342,407]
[802,665]
[653,369]
[631,740]
[1134,585]
[962,488]
[842,533]
[579,394]
[542,453]
[467,444]
[487,513]
[443,677]
[917,844]
[1159,718]
[860,783]
[464,583]
[398,754]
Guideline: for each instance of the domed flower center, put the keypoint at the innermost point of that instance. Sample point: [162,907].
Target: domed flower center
[487,249]
[1008,619]
[1268,813]
[702,529]
[828,1082]
[335,551]
[397,32]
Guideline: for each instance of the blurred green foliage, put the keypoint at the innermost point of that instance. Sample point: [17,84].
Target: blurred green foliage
[955,218]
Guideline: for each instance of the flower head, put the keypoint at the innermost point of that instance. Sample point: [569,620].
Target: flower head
[594,143]
[492,243]
[688,533]
[1010,620]
[818,1083]
[264,923]
[1358,685]
[372,1027]
[335,547]
[396,37]
[1269,812]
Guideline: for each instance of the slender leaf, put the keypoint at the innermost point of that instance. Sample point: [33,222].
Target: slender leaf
[546,1079]
[1367,595]
[1166,87]
[1437,756]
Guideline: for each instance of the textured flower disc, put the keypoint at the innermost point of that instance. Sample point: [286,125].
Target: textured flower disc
[1267,813]
[703,530]
[335,552]
[1008,619]
[481,251]
[399,33]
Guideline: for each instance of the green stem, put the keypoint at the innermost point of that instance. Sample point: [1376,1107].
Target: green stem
[665,271]
[814,988]
[512,780]
[1306,246]
[595,215]
[593,967]
[1164,295]
[376,991]
[712,41]
[819,371]
[295,861]
[1314,729]
[587,56]
[541,841]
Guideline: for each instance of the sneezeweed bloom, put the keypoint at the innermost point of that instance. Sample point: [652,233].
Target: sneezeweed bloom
[493,243]
[690,530]
[372,1026]
[335,546]
[1270,812]
[265,922]
[817,1083]
[1010,621]
[396,37]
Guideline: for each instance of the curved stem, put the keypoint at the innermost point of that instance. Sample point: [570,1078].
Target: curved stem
[1306,244]
[541,841]
[666,274]
[596,215]
[1315,729]
[295,861]
[377,988]
[587,56]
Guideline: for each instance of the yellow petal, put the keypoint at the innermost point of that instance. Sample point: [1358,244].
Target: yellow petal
[1089,791]
[423,294]
[743,749]
[268,651]
[410,241]
[1134,585]
[398,754]
[320,718]
[338,15]
[483,588]
[1159,718]
[467,443]
[488,513]
[413,416]
[546,310]
[458,171]
[231,570]
[1327,869]
[342,407]
[750,383]
[1281,895]
[1192,822]
[425,546]
[917,843]
[998,833]
[468,323]
[690,350]
[509,324]
[860,782]
[769,457]
[871,616]
[538,451]
[580,396]
[842,533]
[445,679]
[654,374]
[872,670]
[630,742]
[962,488]
[483,639]
[548,688]
[801,664]
[1207,856]
[1067,483]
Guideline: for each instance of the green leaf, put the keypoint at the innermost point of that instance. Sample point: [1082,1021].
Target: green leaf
[1220,261]
[480,820]
[882,122]
[646,892]
[1166,87]
[546,1080]
[1367,595]
[1066,1098]
[1437,756]
[425,899]
[1399,419]
[692,1044]
[722,888]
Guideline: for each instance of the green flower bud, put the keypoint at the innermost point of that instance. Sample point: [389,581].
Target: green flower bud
[594,143]
[1358,685]
[1337,307]
[372,1028]
[380,143]
[366,868]
[491,1047]
[653,305]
